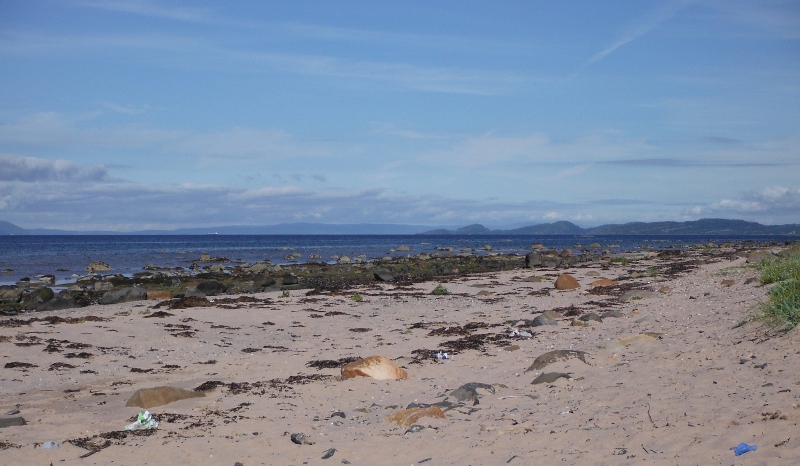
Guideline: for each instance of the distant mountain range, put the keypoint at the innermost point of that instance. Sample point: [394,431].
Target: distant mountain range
[708,226]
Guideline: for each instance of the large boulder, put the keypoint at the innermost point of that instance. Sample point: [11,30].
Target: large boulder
[211,287]
[124,295]
[60,302]
[37,297]
[10,294]
[532,259]
[377,367]
[383,275]
[566,281]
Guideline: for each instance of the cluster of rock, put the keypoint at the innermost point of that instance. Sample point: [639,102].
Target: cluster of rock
[209,276]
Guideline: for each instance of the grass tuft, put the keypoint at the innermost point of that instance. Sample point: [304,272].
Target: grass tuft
[440,290]
[781,310]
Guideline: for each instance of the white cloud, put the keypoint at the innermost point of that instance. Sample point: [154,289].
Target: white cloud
[769,205]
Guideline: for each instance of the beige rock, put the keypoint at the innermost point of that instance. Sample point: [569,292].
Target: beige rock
[151,397]
[377,367]
[566,282]
[728,282]
[409,417]
[593,273]
[159,294]
[603,282]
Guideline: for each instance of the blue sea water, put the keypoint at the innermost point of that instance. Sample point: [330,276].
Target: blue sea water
[63,256]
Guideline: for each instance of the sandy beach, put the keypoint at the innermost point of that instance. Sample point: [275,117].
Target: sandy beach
[659,376]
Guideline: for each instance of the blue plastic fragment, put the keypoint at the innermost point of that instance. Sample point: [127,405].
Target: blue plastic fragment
[743,448]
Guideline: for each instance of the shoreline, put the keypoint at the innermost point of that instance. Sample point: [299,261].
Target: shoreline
[665,377]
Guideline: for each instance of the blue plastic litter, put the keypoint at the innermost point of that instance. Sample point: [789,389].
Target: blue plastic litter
[743,448]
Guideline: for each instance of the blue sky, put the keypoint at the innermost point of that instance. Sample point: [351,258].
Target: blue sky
[137,114]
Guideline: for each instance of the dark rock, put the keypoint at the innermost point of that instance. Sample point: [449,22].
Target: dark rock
[468,391]
[60,302]
[613,314]
[124,295]
[328,453]
[301,439]
[550,377]
[10,294]
[591,317]
[211,287]
[533,259]
[12,421]
[383,275]
[538,321]
[36,298]
[290,279]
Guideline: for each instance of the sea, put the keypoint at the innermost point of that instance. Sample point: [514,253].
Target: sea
[67,257]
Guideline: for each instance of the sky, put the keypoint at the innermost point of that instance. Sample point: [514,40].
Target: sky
[143,114]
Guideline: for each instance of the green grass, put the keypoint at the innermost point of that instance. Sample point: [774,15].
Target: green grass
[358,298]
[781,310]
[440,290]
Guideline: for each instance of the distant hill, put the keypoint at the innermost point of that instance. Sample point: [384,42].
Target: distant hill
[706,226]
[8,228]
[280,229]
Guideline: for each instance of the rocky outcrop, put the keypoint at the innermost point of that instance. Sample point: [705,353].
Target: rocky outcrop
[97,266]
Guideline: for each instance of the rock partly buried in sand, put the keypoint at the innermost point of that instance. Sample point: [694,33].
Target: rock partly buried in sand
[541,320]
[604,282]
[550,377]
[377,367]
[555,356]
[409,417]
[469,391]
[12,421]
[728,282]
[566,281]
[151,397]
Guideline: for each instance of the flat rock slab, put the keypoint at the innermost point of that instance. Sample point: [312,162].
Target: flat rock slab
[555,356]
[409,417]
[550,377]
[151,397]
[12,421]
[377,367]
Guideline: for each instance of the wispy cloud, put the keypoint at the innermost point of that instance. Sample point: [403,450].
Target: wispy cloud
[638,29]
[144,8]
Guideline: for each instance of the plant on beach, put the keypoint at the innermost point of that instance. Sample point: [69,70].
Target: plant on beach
[358,298]
[781,310]
[440,290]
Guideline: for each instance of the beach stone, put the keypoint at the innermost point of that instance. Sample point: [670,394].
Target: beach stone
[10,293]
[595,246]
[152,397]
[566,281]
[377,367]
[541,320]
[577,323]
[124,295]
[48,279]
[290,279]
[300,439]
[664,290]
[59,303]
[728,283]
[36,298]
[532,259]
[551,260]
[603,282]
[402,248]
[593,273]
[12,421]
[469,391]
[550,377]
[211,287]
[409,417]
[532,279]
[614,313]
[383,275]
[647,336]
[552,314]
[637,294]
[555,356]
[97,266]
[510,348]
[591,317]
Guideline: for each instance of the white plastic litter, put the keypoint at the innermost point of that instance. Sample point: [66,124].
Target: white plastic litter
[144,421]
[49,445]
[441,355]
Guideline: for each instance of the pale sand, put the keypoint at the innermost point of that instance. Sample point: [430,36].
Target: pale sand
[682,399]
